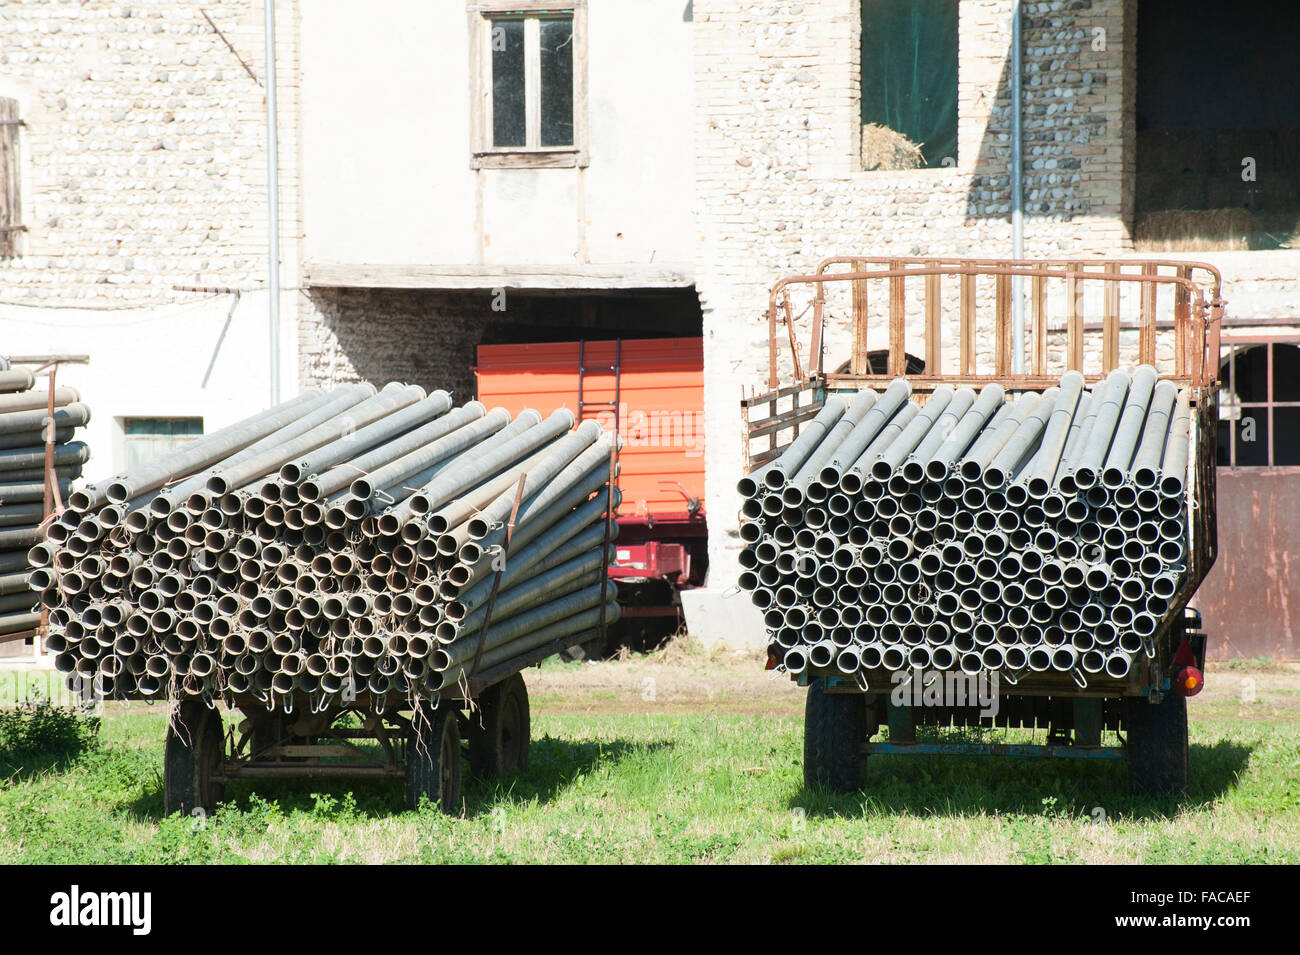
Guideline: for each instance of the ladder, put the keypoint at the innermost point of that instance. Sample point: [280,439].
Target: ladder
[583,368]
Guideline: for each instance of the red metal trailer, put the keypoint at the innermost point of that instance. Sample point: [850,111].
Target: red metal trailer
[651,391]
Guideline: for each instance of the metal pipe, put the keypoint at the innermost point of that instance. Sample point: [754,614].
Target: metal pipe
[1128,430]
[1021,443]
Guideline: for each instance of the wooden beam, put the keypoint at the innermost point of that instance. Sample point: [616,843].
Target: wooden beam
[456,277]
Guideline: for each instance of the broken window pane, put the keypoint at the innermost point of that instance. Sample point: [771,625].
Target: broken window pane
[557,81]
[508,110]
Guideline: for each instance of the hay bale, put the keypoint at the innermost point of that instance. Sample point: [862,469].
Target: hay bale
[1194,230]
[884,148]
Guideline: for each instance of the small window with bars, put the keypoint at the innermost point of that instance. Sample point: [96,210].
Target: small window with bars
[531,83]
[1259,403]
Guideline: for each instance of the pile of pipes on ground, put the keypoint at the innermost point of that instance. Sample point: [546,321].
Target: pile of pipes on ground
[974,532]
[23,413]
[343,542]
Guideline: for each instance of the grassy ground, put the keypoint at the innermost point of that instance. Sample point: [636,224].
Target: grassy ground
[680,757]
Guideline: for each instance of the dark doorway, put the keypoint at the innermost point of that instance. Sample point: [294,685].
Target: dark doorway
[1218,125]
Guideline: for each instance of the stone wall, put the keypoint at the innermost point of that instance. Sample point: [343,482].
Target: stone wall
[144,149]
[380,335]
[779,183]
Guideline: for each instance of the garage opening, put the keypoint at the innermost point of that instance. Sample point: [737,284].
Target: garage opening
[1259,405]
[429,337]
[1218,126]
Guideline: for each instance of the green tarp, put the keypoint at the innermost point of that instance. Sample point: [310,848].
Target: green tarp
[909,72]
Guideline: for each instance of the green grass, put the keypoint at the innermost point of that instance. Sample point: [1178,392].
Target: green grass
[640,784]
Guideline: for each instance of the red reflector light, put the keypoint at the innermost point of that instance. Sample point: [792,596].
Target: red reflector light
[773,659]
[1189,681]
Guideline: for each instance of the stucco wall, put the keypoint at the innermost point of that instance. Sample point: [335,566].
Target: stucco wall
[386,158]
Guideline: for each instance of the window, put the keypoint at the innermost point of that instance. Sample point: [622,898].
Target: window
[11,207]
[147,438]
[529,72]
[1259,404]
[909,84]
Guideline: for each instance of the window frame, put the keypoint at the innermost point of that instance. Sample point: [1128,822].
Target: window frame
[1239,344]
[959,165]
[12,228]
[483,155]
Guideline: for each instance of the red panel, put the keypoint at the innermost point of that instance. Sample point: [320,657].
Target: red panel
[661,406]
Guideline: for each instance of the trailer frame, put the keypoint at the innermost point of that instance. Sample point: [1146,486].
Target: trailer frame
[798,385]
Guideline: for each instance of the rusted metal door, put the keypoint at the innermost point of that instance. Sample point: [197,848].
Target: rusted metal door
[1249,599]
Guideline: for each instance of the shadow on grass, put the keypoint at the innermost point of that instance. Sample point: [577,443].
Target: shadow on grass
[967,786]
[20,767]
[554,764]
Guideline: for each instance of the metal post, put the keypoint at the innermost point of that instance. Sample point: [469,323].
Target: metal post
[272,203]
[1017,197]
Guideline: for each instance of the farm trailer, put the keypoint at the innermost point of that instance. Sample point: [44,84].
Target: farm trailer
[1147,703]
[350,552]
[651,393]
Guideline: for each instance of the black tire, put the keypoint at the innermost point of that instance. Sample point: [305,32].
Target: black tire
[1157,745]
[498,736]
[192,759]
[834,729]
[433,757]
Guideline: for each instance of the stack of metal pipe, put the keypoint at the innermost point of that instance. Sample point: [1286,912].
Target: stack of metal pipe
[1044,533]
[23,413]
[345,541]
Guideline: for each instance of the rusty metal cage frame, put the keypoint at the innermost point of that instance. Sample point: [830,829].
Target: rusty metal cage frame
[1197,316]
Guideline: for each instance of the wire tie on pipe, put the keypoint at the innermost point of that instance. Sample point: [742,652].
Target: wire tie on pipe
[1079,678]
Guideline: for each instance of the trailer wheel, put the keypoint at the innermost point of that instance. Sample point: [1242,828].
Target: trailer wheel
[192,760]
[500,744]
[433,757]
[834,729]
[1157,745]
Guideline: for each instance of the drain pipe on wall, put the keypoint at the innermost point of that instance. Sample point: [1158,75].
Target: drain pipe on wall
[272,203]
[1017,195]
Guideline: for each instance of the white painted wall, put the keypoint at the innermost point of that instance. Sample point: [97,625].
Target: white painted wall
[386,143]
[161,361]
